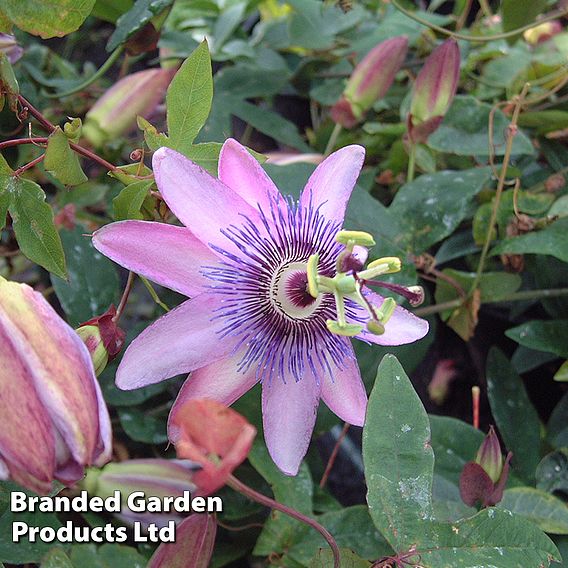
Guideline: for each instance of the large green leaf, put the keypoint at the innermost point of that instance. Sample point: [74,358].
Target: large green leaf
[135,19]
[445,199]
[61,161]
[188,99]
[552,472]
[47,18]
[465,131]
[516,417]
[106,556]
[398,457]
[549,336]
[552,240]
[92,283]
[33,224]
[543,509]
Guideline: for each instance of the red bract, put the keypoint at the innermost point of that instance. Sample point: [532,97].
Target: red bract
[216,437]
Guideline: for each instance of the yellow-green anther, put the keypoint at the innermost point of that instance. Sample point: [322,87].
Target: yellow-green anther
[386,310]
[393,263]
[348,329]
[375,327]
[312,272]
[355,238]
[346,285]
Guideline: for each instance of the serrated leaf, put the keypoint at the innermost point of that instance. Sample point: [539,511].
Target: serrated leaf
[47,18]
[61,161]
[33,224]
[128,202]
[549,513]
[135,19]
[549,336]
[189,98]
[398,457]
[515,416]
[92,283]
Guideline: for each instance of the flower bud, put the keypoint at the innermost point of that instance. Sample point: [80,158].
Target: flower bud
[103,338]
[114,114]
[9,46]
[55,421]
[483,481]
[542,32]
[489,456]
[370,81]
[434,90]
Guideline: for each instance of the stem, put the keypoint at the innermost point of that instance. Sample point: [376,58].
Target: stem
[500,186]
[411,162]
[19,141]
[124,299]
[475,392]
[96,75]
[153,293]
[245,138]
[482,39]
[333,455]
[268,502]
[332,139]
[26,105]
[29,165]
[486,8]
[91,155]
[463,16]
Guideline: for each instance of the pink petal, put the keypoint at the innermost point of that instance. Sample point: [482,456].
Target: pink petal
[170,256]
[201,202]
[244,175]
[289,413]
[345,394]
[333,181]
[403,327]
[220,381]
[180,341]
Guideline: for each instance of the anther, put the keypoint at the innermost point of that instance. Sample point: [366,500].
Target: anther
[352,238]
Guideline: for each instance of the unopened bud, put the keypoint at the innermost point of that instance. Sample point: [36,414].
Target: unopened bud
[542,32]
[370,81]
[91,337]
[489,456]
[434,90]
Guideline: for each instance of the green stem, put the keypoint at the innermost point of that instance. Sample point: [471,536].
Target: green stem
[332,139]
[411,162]
[153,293]
[96,75]
[482,39]
[486,8]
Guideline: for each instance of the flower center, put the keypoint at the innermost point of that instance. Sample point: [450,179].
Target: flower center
[289,292]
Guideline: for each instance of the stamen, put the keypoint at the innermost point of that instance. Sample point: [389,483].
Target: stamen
[414,294]
[352,238]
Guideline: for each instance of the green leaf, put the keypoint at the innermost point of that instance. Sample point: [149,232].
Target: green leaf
[549,513]
[189,98]
[518,13]
[135,19]
[552,240]
[152,137]
[464,131]
[280,530]
[492,538]
[56,558]
[4,204]
[446,197]
[106,556]
[549,336]
[33,224]
[552,472]
[515,416]
[61,161]
[128,202]
[557,427]
[143,426]
[398,457]
[47,18]
[111,10]
[324,559]
[92,283]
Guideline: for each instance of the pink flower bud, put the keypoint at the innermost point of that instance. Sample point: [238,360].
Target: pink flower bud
[370,81]
[489,456]
[55,421]
[10,47]
[434,90]
[114,114]
[103,338]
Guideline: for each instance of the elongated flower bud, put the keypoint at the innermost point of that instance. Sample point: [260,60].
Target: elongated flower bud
[103,338]
[54,420]
[370,81]
[114,114]
[434,90]
[489,456]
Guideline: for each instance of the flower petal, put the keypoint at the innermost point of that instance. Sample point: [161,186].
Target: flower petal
[345,393]
[180,341]
[168,255]
[403,326]
[201,202]
[333,181]
[220,381]
[243,174]
[289,413]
